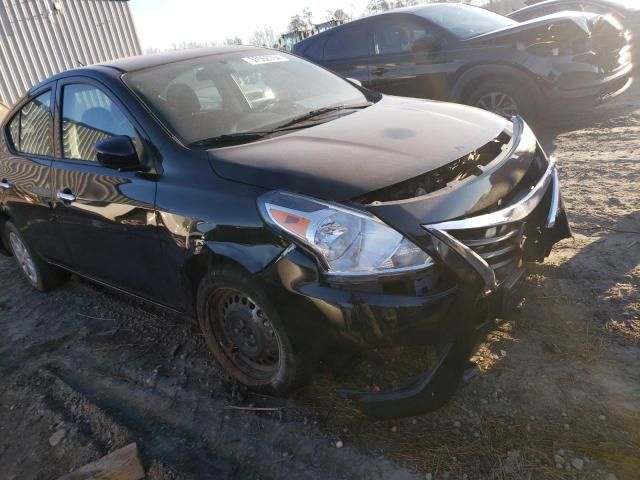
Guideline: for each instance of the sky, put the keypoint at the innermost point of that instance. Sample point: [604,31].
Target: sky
[162,23]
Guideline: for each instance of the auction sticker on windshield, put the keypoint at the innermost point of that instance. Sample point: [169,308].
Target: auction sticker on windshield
[262,59]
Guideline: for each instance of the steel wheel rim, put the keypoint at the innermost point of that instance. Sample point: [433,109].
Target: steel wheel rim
[500,103]
[23,257]
[245,334]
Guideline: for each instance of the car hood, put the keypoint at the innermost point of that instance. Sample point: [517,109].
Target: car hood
[568,25]
[394,140]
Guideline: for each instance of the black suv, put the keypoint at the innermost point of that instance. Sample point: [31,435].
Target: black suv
[470,55]
[288,211]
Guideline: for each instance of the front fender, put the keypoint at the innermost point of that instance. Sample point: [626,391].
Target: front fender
[253,258]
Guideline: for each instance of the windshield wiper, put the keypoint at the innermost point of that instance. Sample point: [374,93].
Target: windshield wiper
[317,113]
[229,139]
[239,138]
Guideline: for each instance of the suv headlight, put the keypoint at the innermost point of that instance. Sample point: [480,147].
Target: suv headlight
[346,241]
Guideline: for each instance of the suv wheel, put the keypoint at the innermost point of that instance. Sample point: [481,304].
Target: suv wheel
[39,274]
[505,99]
[245,334]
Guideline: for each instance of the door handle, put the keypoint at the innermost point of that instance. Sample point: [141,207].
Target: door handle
[380,71]
[66,197]
[5,185]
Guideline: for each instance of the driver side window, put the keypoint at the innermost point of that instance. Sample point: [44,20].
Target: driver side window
[88,117]
[398,35]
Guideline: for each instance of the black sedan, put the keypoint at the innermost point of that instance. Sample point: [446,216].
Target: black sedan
[627,12]
[470,55]
[288,211]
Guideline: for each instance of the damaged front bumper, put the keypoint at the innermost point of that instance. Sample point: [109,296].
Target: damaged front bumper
[515,215]
[490,301]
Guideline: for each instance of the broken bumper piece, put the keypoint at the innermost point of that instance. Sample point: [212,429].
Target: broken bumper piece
[541,217]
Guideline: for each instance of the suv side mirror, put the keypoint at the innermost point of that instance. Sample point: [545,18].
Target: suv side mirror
[425,44]
[117,153]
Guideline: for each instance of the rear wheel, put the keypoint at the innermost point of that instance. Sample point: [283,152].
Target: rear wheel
[504,98]
[39,274]
[245,334]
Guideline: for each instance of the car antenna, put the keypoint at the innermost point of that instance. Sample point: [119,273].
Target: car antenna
[81,64]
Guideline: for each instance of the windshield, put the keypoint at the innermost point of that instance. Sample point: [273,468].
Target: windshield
[236,93]
[465,21]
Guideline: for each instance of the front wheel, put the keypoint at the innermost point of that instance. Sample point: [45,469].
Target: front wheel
[505,99]
[245,333]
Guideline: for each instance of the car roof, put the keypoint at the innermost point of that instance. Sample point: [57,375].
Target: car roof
[141,62]
[412,10]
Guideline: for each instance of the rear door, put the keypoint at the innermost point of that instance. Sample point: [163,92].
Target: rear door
[409,57]
[346,52]
[106,216]
[25,161]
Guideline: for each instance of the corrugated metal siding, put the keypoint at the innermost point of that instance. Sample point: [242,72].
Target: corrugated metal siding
[39,38]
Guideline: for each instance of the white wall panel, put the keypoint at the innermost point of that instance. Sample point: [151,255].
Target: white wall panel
[39,38]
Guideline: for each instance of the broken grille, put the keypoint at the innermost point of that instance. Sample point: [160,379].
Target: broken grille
[500,247]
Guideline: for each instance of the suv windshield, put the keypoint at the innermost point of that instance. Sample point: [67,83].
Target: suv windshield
[237,93]
[629,4]
[464,21]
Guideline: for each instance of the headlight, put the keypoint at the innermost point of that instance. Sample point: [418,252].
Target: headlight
[348,242]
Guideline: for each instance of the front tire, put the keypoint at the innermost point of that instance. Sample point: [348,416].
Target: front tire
[506,99]
[39,274]
[245,333]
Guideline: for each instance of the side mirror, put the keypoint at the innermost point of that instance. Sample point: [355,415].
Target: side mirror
[117,153]
[425,44]
[355,81]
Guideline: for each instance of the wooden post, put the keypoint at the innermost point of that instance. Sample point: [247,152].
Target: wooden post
[123,464]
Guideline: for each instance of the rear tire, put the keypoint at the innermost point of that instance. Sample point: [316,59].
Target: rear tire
[505,98]
[40,275]
[246,335]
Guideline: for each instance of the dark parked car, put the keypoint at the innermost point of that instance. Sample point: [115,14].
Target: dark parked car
[627,12]
[470,55]
[288,211]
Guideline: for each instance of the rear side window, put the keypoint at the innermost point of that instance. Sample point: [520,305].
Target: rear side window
[350,42]
[398,34]
[88,117]
[30,129]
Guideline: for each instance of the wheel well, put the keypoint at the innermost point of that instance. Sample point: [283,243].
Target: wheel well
[480,80]
[469,81]
[195,270]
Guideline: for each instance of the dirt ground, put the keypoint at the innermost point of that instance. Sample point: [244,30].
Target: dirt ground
[558,395]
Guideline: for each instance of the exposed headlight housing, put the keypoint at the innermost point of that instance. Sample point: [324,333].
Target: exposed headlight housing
[346,241]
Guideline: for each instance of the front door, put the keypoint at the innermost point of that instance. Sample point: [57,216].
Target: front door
[106,216]
[409,58]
